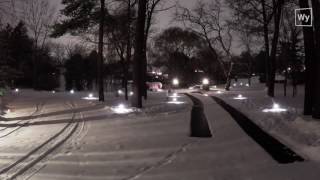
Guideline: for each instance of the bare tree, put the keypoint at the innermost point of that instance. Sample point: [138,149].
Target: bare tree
[139,54]
[7,10]
[39,16]
[205,19]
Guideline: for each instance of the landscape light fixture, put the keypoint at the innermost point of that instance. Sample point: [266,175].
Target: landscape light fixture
[71,91]
[175,82]
[90,97]
[240,97]
[16,90]
[275,109]
[121,109]
[205,81]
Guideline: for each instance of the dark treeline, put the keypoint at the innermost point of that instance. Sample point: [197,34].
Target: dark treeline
[16,53]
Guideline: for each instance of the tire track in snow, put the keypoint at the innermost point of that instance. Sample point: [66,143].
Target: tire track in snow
[41,152]
[38,110]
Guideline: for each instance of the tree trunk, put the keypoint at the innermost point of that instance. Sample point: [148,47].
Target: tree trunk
[266,40]
[272,69]
[316,10]
[100,49]
[126,64]
[309,61]
[228,83]
[139,55]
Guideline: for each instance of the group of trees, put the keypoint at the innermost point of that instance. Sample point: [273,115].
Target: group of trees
[16,53]
[120,28]
[183,53]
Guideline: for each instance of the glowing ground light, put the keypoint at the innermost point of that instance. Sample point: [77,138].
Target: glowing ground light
[120,92]
[219,92]
[175,101]
[247,84]
[90,97]
[175,81]
[174,95]
[214,86]
[275,109]
[241,84]
[16,90]
[234,84]
[205,81]
[71,91]
[53,92]
[240,97]
[121,109]
[131,93]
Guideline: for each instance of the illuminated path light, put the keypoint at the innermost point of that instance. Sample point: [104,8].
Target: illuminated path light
[53,92]
[205,81]
[235,84]
[90,97]
[131,93]
[16,90]
[247,84]
[122,109]
[275,109]
[175,101]
[219,92]
[174,95]
[240,97]
[120,91]
[71,91]
[241,84]
[175,82]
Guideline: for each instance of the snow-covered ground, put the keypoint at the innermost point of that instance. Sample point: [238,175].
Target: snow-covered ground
[291,126]
[61,136]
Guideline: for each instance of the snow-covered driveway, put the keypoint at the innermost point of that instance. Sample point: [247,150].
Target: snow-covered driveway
[66,138]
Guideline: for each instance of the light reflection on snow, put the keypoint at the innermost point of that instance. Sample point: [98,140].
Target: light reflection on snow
[175,102]
[174,95]
[122,109]
[90,97]
[240,97]
[275,109]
